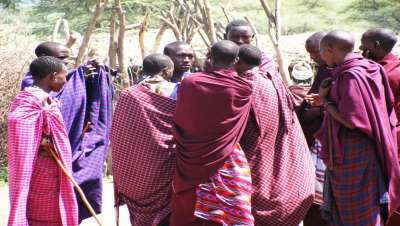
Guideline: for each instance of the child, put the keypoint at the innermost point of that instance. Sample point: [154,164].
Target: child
[40,194]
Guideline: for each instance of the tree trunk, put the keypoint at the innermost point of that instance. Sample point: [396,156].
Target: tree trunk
[56,28]
[274,32]
[101,4]
[142,32]
[157,40]
[210,21]
[120,51]
[112,50]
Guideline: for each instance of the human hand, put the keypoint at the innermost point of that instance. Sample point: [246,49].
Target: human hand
[313,99]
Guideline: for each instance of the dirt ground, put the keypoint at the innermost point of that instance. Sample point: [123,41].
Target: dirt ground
[107,217]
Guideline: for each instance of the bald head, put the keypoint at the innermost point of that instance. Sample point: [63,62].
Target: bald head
[224,53]
[385,38]
[315,39]
[53,49]
[312,46]
[340,40]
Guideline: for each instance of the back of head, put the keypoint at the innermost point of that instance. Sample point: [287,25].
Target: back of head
[155,63]
[386,38]
[47,48]
[249,54]
[43,66]
[236,23]
[340,40]
[224,53]
[315,39]
[171,47]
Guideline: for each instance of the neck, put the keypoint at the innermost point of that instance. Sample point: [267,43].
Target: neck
[340,59]
[42,86]
[217,65]
[178,75]
[380,56]
[244,69]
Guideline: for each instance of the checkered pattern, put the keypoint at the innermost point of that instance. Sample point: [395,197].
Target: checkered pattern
[355,183]
[82,101]
[282,171]
[27,121]
[268,65]
[143,154]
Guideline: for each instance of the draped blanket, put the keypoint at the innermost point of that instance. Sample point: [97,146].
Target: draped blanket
[28,120]
[86,108]
[282,170]
[143,154]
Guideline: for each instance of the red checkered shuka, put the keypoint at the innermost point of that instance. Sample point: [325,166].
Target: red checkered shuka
[143,154]
[282,170]
[28,120]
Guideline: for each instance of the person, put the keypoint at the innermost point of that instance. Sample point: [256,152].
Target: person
[86,107]
[40,194]
[240,32]
[182,55]
[280,164]
[212,181]
[311,118]
[144,112]
[358,137]
[377,45]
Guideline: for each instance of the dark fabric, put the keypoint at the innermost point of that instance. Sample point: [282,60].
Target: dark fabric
[311,117]
[208,122]
[362,95]
[314,217]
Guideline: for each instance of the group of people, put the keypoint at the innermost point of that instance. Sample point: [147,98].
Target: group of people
[222,146]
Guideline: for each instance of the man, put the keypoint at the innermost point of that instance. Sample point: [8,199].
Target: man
[240,32]
[212,182]
[183,57]
[141,141]
[377,44]
[358,137]
[40,193]
[311,118]
[86,109]
[281,168]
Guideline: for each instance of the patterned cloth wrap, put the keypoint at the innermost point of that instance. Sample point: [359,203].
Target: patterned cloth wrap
[226,197]
[319,171]
[282,170]
[86,108]
[143,167]
[31,183]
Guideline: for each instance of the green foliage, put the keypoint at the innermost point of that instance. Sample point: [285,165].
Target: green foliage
[79,12]
[9,4]
[3,175]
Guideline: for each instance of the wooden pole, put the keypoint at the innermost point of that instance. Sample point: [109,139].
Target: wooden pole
[56,28]
[157,40]
[101,4]
[112,49]
[210,21]
[121,46]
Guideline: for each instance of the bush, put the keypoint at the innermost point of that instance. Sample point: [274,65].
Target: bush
[16,48]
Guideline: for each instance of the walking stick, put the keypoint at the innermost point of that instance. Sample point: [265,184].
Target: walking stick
[50,150]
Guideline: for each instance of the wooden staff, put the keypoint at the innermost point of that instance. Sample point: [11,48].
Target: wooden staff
[52,152]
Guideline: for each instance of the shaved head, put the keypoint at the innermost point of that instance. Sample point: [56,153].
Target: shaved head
[224,53]
[315,39]
[340,40]
[173,46]
[53,49]
[312,46]
[386,38]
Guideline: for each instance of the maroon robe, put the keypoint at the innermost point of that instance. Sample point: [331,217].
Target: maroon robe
[391,65]
[277,153]
[209,119]
[362,95]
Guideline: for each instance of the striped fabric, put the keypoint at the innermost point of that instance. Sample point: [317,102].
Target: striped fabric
[35,181]
[355,189]
[226,197]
